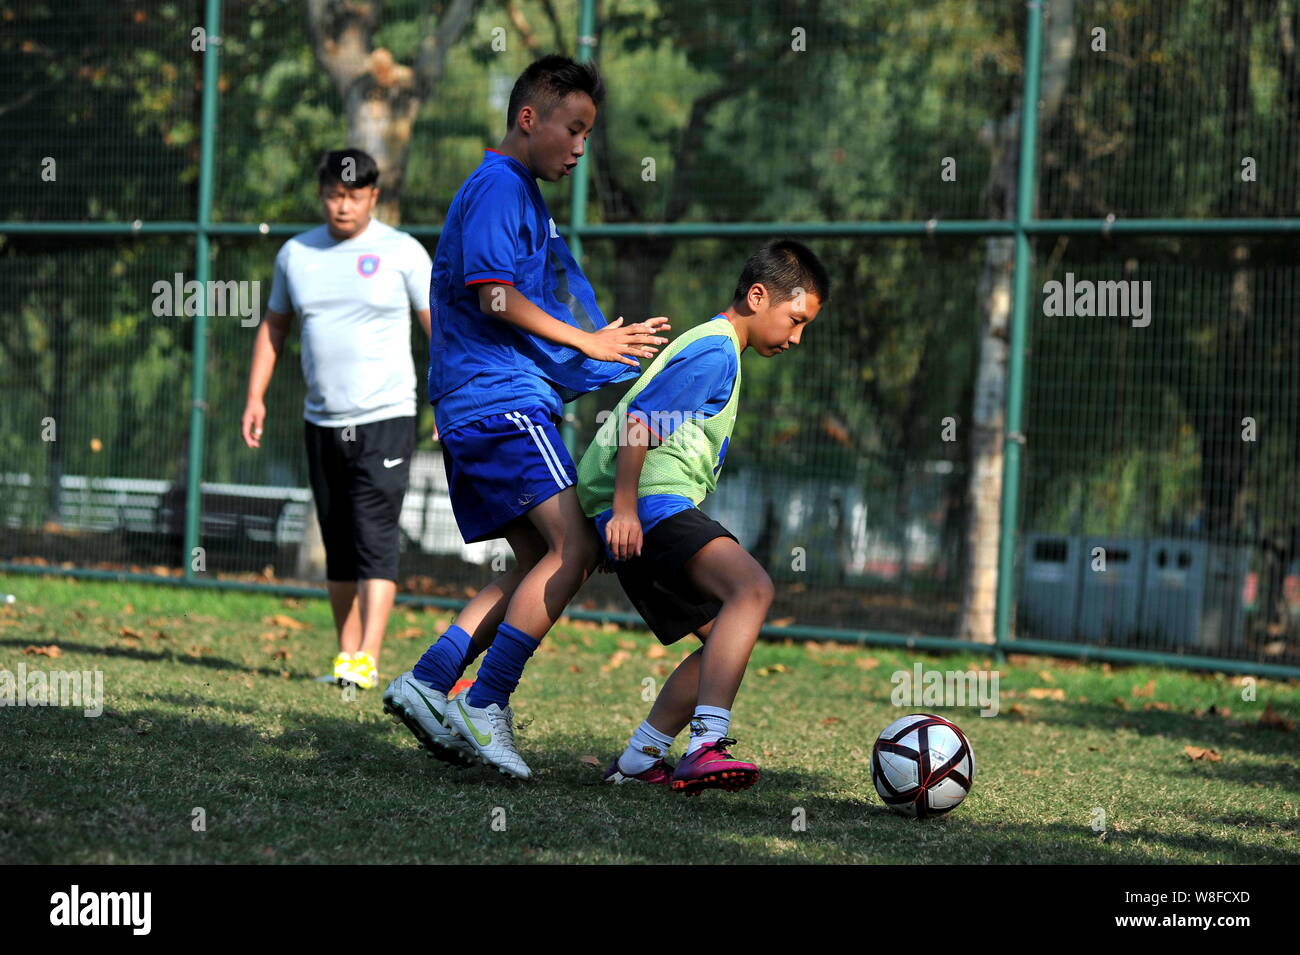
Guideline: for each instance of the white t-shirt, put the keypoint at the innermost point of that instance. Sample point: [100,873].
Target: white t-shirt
[354,298]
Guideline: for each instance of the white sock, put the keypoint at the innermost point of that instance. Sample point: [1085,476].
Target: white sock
[708,725]
[644,749]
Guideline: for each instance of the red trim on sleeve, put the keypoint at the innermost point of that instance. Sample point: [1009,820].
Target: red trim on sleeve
[491,281]
[644,423]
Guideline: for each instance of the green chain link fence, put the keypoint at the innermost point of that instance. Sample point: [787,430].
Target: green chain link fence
[1105,468]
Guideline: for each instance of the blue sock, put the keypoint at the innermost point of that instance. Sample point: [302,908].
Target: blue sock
[444,662]
[502,667]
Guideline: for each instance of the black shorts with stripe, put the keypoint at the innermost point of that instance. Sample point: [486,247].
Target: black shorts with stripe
[359,475]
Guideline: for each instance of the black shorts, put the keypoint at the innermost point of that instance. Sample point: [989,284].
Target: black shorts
[358,477]
[656,582]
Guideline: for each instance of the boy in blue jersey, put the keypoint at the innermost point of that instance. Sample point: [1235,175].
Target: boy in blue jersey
[515,334]
[642,479]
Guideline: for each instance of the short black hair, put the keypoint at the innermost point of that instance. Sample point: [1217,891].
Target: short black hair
[782,267]
[546,83]
[361,172]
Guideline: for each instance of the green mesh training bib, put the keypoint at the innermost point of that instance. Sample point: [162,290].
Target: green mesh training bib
[687,463]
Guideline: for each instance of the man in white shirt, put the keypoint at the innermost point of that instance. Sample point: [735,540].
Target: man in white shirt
[353,282]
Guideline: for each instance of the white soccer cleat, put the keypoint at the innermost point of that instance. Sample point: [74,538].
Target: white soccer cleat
[491,731]
[424,712]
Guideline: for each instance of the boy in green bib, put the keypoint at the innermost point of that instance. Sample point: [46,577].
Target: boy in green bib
[652,462]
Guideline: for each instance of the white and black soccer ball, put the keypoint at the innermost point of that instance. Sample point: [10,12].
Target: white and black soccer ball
[922,766]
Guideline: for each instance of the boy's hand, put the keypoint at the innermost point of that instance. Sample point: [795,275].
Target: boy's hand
[614,342]
[623,534]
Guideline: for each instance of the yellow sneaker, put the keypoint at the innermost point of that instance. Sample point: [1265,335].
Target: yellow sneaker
[342,663]
[362,671]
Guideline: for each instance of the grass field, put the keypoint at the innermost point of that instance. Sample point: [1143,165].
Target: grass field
[209,702]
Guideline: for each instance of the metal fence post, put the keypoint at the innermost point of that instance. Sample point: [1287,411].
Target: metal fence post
[199,369]
[1013,436]
[578,197]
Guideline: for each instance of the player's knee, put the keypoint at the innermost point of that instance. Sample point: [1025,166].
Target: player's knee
[755,589]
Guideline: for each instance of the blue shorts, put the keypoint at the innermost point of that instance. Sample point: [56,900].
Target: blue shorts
[501,467]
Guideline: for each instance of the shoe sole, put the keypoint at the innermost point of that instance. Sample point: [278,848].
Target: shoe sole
[732,780]
[435,748]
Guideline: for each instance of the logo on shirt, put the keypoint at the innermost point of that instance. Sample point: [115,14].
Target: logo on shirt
[367,265]
[555,233]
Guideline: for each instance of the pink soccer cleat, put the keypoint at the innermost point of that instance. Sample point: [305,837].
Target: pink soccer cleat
[712,767]
[660,774]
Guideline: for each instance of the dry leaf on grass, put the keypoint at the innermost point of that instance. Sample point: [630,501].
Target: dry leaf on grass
[1275,721]
[47,651]
[126,633]
[774,668]
[1148,690]
[1019,710]
[1046,677]
[590,761]
[614,662]
[657,651]
[830,721]
[284,620]
[866,663]
[1121,702]
[1196,752]
[1045,693]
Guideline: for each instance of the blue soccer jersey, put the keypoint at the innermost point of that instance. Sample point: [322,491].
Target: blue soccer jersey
[696,383]
[499,230]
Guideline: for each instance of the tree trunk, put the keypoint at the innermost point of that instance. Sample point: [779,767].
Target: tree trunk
[984,491]
[381,97]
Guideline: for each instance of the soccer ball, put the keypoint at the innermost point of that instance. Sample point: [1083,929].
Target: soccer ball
[922,766]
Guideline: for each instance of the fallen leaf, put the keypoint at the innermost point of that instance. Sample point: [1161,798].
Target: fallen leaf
[410,633]
[129,608]
[1148,690]
[1275,721]
[590,761]
[50,651]
[1019,710]
[1209,755]
[830,720]
[1045,693]
[1121,702]
[1046,677]
[657,651]
[774,668]
[783,622]
[128,634]
[281,655]
[289,623]
[1157,705]
[574,668]
[867,663]
[614,662]
[627,644]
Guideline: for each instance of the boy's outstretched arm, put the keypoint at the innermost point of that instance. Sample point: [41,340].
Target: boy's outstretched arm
[614,342]
[623,532]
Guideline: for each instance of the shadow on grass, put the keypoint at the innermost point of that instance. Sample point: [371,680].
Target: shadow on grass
[1239,732]
[336,787]
[148,656]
